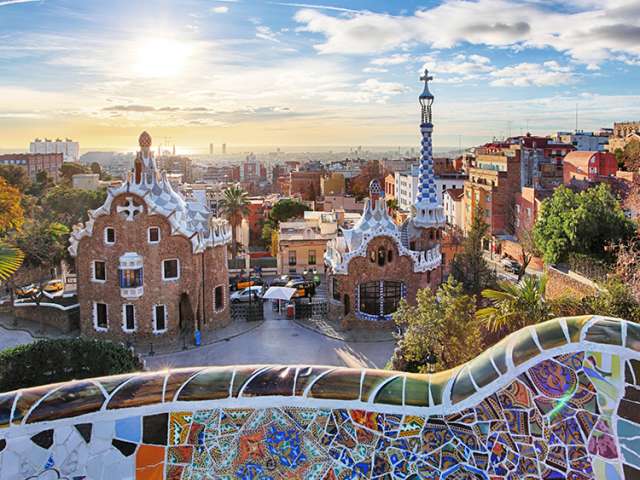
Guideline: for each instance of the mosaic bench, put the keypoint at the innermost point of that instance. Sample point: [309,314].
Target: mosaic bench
[557,400]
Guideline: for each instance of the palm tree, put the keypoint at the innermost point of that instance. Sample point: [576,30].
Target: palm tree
[514,306]
[234,205]
[10,260]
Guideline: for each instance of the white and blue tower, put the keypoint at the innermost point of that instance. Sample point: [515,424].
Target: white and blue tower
[429,213]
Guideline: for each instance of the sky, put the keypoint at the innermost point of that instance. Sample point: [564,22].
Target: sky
[339,73]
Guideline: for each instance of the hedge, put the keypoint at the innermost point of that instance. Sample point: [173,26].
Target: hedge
[60,360]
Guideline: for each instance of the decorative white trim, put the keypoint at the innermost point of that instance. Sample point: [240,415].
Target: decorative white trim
[153,242]
[93,272]
[124,318]
[155,318]
[95,317]
[107,242]
[171,279]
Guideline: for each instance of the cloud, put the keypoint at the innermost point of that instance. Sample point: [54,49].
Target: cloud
[396,59]
[588,32]
[14,2]
[265,33]
[319,7]
[220,9]
[533,74]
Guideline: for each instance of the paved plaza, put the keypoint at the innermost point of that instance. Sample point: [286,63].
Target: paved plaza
[280,341]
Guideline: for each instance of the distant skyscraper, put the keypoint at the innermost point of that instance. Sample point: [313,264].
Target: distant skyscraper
[224,148]
[211,149]
[67,147]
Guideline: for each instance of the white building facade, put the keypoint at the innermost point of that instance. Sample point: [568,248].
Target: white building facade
[67,147]
[407,186]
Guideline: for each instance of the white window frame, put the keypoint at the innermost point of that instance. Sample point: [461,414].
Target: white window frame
[95,317]
[155,319]
[93,272]
[224,298]
[153,242]
[172,279]
[124,318]
[106,242]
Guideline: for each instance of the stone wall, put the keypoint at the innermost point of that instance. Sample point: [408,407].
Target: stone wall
[132,236]
[64,320]
[557,400]
[514,250]
[363,270]
[567,283]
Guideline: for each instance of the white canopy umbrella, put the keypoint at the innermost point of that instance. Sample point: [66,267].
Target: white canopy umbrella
[279,293]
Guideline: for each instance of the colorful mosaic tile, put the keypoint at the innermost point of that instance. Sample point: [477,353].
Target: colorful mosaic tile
[572,412]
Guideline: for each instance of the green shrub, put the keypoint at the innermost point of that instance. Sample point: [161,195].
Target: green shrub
[60,360]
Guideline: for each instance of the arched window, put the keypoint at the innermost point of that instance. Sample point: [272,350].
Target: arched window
[379,298]
[389,255]
[370,298]
[372,256]
[382,256]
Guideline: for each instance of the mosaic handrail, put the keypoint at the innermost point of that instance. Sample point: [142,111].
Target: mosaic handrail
[559,399]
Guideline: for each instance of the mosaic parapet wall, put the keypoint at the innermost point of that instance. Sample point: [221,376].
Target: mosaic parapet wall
[558,400]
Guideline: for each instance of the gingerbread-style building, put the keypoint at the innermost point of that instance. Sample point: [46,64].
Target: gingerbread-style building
[374,265]
[150,265]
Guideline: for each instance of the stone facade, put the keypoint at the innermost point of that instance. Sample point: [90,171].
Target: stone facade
[143,224]
[567,283]
[343,289]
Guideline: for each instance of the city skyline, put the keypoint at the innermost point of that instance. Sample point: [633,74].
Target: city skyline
[304,74]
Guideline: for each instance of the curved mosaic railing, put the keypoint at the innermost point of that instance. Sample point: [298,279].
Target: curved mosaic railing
[557,400]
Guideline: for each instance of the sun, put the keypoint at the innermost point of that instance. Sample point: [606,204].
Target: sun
[160,57]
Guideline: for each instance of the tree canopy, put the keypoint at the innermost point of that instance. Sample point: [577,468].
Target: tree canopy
[360,184]
[469,266]
[11,212]
[44,243]
[583,223]
[234,205]
[629,156]
[16,177]
[69,169]
[286,209]
[70,205]
[440,331]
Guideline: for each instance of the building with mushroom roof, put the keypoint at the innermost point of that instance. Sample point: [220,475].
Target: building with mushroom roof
[149,263]
[374,265]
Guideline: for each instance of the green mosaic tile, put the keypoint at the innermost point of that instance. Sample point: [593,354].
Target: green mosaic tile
[27,399]
[604,331]
[482,370]
[438,383]
[241,376]
[210,384]
[391,392]
[6,404]
[574,326]
[272,381]
[550,334]
[633,336]
[463,387]
[416,390]
[499,355]
[339,384]
[176,380]
[71,400]
[372,380]
[141,390]
[525,348]
[306,376]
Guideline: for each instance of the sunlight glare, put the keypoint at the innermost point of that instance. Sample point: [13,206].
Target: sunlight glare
[160,57]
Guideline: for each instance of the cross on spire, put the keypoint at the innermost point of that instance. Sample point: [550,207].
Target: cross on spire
[426,77]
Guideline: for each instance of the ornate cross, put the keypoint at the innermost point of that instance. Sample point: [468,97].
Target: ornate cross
[426,77]
[130,209]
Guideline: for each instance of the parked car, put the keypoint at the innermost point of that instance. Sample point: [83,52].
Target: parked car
[249,294]
[26,290]
[239,283]
[282,280]
[511,265]
[303,288]
[54,286]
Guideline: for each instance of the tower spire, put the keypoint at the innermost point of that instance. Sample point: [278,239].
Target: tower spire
[429,212]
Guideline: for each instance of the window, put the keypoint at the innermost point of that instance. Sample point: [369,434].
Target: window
[292,258]
[128,318]
[392,293]
[159,318]
[171,269]
[389,255]
[382,256]
[370,298]
[130,278]
[312,257]
[154,234]
[334,289]
[218,298]
[109,236]
[100,320]
[99,271]
[372,256]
